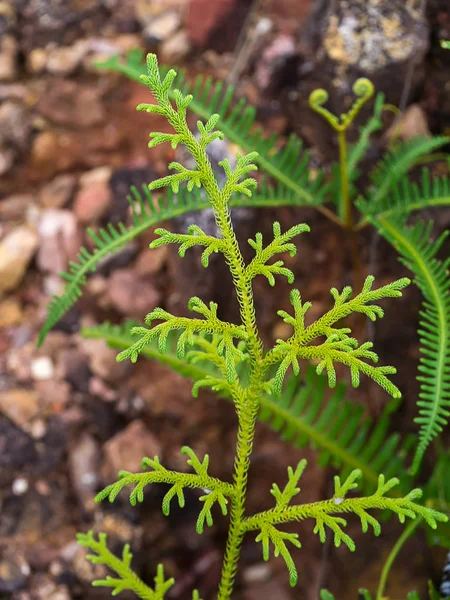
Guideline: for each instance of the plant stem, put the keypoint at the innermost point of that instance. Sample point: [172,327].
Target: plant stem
[407,532]
[345,207]
[249,409]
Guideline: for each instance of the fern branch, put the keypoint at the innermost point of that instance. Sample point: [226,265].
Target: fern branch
[159,474]
[404,507]
[432,278]
[128,580]
[323,513]
[288,166]
[406,196]
[338,347]
[396,163]
[303,414]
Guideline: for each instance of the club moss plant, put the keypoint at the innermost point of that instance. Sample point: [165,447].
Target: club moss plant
[226,345]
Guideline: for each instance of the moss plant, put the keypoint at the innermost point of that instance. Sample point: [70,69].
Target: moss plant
[226,346]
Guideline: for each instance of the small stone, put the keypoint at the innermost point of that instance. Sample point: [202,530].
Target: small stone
[150,262]
[60,240]
[75,370]
[14,573]
[132,295]
[14,208]
[16,251]
[20,405]
[64,60]
[58,192]
[100,175]
[412,123]
[92,202]
[37,60]
[204,18]
[20,486]
[7,156]
[176,47]
[103,361]
[54,395]
[45,150]
[97,387]
[83,469]
[42,368]
[38,429]
[10,313]
[127,449]
[162,27]
[72,104]
[8,58]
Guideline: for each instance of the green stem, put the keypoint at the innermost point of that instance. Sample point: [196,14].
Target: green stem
[406,533]
[345,207]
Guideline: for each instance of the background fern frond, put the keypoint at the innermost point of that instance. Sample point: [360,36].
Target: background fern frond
[288,166]
[303,414]
[396,163]
[432,277]
[406,196]
[145,214]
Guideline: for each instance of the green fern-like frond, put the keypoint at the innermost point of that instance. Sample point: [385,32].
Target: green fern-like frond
[397,162]
[324,515]
[145,213]
[338,347]
[127,578]
[226,332]
[432,277]
[303,414]
[288,165]
[406,196]
[178,481]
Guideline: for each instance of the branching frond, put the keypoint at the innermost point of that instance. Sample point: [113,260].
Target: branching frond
[210,324]
[145,213]
[324,514]
[178,481]
[289,166]
[281,243]
[271,535]
[406,196]
[127,578]
[283,497]
[432,277]
[338,346]
[396,163]
[195,237]
[303,414]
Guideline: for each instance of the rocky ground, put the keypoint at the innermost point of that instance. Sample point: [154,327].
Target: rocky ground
[71,145]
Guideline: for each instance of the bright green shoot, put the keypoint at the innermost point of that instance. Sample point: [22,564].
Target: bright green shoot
[324,342]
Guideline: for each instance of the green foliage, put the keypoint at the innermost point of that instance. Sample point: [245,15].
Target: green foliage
[338,347]
[227,347]
[419,255]
[145,213]
[366,595]
[127,579]
[323,513]
[288,165]
[303,413]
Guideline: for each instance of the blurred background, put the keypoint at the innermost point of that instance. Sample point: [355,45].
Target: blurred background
[71,145]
